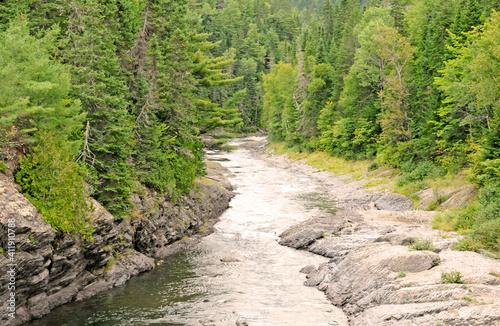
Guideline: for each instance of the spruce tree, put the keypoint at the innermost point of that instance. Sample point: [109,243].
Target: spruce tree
[98,83]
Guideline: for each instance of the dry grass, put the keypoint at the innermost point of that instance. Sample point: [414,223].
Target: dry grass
[324,162]
[382,179]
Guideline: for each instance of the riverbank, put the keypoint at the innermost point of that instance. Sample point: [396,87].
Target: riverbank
[53,268]
[387,265]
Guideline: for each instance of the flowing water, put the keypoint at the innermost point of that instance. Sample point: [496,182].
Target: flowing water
[195,287]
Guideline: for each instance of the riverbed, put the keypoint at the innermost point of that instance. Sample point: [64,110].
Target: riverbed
[239,272]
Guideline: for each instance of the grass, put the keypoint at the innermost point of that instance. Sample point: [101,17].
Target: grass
[382,178]
[401,274]
[324,162]
[457,219]
[109,265]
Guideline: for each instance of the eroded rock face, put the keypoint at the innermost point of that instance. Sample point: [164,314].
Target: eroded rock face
[53,269]
[377,279]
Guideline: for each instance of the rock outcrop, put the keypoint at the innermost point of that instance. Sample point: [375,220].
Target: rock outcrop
[378,279]
[54,268]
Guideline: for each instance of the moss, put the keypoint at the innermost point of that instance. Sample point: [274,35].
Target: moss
[110,265]
[204,228]
[213,165]
[494,274]
[207,182]
[3,167]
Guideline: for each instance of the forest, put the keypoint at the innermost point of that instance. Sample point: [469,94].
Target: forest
[101,96]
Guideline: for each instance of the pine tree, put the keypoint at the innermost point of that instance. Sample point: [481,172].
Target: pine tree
[35,89]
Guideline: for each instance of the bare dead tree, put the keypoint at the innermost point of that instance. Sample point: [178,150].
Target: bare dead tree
[86,152]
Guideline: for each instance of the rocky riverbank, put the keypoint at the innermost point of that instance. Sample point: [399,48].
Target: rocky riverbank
[53,268]
[375,274]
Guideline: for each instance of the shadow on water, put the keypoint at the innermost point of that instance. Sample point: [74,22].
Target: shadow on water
[141,302]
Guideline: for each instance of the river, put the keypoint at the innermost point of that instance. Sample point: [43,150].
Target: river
[261,284]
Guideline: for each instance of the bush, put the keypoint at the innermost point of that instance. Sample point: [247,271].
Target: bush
[423,245]
[479,220]
[418,172]
[54,183]
[373,166]
[396,155]
[459,219]
[451,277]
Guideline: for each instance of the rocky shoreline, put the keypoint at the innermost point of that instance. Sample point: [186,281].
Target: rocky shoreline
[375,275]
[53,268]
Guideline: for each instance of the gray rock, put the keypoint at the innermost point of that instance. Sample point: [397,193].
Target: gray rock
[38,305]
[229,260]
[54,269]
[308,269]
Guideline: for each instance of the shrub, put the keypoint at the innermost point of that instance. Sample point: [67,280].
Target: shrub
[451,277]
[3,167]
[423,245]
[420,172]
[54,183]
[373,166]
[459,219]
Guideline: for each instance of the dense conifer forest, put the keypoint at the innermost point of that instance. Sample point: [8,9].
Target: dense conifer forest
[112,94]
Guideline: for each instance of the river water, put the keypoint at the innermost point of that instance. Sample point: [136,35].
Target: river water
[264,286]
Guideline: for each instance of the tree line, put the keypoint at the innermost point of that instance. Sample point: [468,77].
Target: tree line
[115,94]
[412,84]
[102,97]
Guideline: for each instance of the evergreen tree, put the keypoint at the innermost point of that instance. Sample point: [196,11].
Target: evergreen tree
[99,85]
[35,89]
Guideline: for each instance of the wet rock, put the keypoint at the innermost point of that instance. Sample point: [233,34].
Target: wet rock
[38,305]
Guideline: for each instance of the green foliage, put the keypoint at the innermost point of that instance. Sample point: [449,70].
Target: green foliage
[451,277]
[98,83]
[55,185]
[374,166]
[35,88]
[480,221]
[422,245]
[418,172]
[401,274]
[279,112]
[3,166]
[458,219]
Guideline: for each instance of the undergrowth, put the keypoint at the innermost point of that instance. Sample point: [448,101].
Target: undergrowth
[479,221]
